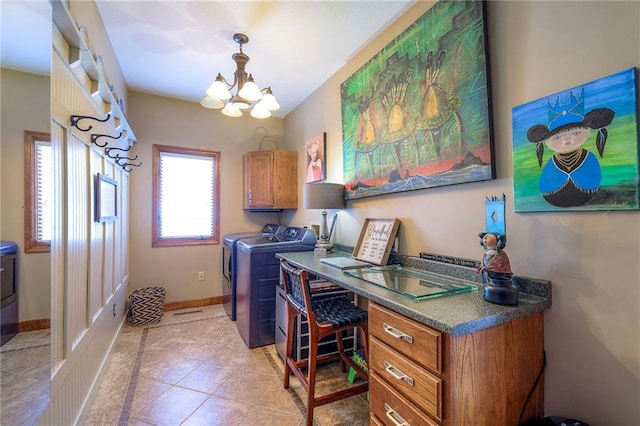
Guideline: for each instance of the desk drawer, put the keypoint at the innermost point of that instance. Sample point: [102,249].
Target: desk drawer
[417,341]
[373,421]
[414,382]
[390,408]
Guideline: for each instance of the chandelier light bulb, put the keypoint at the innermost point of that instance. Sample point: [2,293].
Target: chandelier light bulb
[230,110]
[211,103]
[269,101]
[240,103]
[218,89]
[250,90]
[258,112]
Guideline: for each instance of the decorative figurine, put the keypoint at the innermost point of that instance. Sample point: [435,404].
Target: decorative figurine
[496,270]
[495,260]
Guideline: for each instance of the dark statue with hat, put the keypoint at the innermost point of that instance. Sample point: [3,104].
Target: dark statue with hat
[495,266]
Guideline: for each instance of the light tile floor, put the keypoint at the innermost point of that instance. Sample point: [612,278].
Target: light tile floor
[25,366]
[193,368]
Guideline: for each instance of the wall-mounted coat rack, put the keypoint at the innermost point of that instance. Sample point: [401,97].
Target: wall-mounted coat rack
[74,119]
[94,139]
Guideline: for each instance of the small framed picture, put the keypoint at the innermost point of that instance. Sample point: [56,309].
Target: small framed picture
[315,153]
[106,196]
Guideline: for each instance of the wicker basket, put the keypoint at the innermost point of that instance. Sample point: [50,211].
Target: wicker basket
[145,305]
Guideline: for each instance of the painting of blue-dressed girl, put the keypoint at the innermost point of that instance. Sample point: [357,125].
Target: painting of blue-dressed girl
[578,149]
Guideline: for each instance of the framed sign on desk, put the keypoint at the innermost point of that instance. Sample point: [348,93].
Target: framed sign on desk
[376,240]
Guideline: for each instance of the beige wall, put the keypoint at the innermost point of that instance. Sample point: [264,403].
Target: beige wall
[164,121]
[25,106]
[592,332]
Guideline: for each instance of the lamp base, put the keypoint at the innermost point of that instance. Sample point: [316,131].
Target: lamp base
[325,245]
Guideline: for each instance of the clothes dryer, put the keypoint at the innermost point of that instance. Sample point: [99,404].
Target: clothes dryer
[229,242]
[258,275]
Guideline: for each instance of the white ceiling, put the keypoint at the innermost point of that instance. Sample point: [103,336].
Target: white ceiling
[25,35]
[176,48]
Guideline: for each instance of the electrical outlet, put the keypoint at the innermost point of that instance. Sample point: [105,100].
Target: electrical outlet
[201,276]
[316,229]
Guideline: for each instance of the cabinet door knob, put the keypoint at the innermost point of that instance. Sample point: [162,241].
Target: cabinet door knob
[394,417]
[398,334]
[397,373]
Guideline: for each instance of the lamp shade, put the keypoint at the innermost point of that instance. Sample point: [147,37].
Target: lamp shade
[218,89]
[250,90]
[323,196]
[211,103]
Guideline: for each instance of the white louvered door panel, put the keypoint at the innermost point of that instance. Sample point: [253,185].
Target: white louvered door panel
[96,297]
[77,256]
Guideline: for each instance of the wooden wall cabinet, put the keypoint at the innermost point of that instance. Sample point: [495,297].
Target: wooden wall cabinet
[270,180]
[421,376]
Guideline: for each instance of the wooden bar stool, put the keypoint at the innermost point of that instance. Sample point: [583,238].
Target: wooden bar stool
[327,316]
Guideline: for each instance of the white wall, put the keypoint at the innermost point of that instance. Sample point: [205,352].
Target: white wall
[173,122]
[592,331]
[25,106]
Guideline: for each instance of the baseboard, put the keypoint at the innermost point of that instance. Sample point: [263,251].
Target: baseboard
[32,325]
[195,303]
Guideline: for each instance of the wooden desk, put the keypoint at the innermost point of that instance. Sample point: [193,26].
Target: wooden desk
[468,361]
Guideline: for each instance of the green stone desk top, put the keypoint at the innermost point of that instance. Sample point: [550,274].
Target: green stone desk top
[455,314]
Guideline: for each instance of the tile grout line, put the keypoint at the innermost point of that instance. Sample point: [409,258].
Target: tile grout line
[125,413]
[127,405]
[294,396]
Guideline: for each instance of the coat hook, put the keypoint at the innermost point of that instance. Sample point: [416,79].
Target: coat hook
[75,118]
[118,158]
[94,139]
[109,149]
[127,166]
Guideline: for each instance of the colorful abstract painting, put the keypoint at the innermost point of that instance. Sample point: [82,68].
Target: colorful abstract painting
[417,115]
[578,149]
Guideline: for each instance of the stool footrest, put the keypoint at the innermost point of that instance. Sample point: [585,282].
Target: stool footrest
[345,393]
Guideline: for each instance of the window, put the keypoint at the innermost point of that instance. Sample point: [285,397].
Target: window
[185,196]
[38,201]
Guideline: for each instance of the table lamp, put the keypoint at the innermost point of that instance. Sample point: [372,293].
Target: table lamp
[323,196]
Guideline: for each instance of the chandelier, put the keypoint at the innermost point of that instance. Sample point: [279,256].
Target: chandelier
[248,94]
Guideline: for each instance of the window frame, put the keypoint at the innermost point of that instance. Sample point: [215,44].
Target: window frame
[31,243]
[156,240]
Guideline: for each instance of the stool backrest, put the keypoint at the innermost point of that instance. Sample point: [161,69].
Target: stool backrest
[297,288]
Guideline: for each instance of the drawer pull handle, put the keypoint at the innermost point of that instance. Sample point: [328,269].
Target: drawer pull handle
[397,373]
[394,417]
[397,333]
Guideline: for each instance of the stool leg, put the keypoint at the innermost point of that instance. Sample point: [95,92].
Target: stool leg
[364,328]
[291,314]
[311,376]
[340,344]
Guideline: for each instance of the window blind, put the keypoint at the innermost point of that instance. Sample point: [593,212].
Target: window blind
[44,205]
[186,195]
